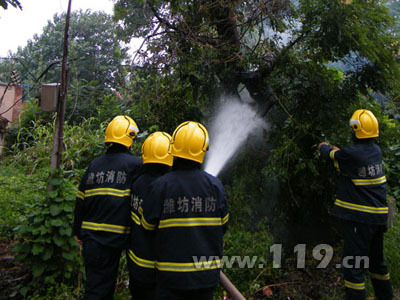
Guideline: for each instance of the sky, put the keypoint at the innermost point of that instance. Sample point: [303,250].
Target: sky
[17,27]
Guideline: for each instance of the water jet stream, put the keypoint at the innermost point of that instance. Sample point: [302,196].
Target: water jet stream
[232,124]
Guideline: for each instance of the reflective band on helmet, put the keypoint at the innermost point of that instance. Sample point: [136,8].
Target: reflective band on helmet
[354,286]
[107,191]
[105,227]
[134,128]
[150,264]
[380,276]
[189,267]
[354,122]
[362,208]
[190,222]
[374,181]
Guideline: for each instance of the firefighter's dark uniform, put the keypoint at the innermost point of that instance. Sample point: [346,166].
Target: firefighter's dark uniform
[101,217]
[361,204]
[189,213]
[141,257]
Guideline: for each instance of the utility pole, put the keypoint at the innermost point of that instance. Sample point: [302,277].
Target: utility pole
[58,140]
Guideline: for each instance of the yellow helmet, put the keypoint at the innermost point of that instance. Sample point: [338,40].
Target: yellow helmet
[155,149]
[364,124]
[121,130]
[190,141]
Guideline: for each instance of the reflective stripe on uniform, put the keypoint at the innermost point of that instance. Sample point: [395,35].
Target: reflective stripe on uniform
[80,195]
[189,267]
[108,191]
[335,162]
[354,286]
[190,222]
[135,218]
[150,264]
[332,154]
[147,225]
[362,208]
[374,181]
[380,276]
[225,219]
[105,227]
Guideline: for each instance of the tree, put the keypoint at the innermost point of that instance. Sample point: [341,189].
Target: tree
[96,59]
[15,3]
[286,54]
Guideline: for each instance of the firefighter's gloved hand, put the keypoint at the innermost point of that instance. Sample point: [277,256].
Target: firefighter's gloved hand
[320,145]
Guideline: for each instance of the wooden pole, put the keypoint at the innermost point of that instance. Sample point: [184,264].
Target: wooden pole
[230,288]
[58,140]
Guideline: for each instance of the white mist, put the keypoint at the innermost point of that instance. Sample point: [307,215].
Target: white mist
[233,123]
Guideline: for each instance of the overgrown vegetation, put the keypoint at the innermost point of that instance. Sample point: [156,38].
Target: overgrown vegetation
[305,66]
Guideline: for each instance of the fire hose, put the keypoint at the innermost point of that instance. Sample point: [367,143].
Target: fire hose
[230,288]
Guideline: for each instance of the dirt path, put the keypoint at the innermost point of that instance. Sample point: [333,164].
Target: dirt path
[12,273]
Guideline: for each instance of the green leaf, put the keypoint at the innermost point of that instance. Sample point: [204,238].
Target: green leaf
[37,248]
[56,222]
[24,291]
[21,247]
[65,231]
[58,199]
[38,269]
[47,253]
[55,181]
[38,219]
[67,255]
[55,210]
[52,194]
[68,207]
[59,241]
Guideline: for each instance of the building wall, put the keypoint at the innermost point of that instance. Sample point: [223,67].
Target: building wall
[11,97]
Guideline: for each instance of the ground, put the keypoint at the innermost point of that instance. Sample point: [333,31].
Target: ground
[293,283]
[12,273]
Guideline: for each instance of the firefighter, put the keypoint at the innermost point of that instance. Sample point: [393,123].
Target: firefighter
[156,162]
[361,205]
[101,216]
[189,213]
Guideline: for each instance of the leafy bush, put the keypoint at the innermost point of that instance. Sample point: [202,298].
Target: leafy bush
[33,146]
[392,252]
[45,240]
[18,194]
[240,242]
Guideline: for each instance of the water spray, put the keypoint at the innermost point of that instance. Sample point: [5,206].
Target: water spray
[232,124]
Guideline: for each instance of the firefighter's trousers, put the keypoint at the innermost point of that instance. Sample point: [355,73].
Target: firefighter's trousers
[101,266]
[164,293]
[363,249]
[142,291]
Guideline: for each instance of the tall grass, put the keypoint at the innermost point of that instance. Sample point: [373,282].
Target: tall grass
[33,146]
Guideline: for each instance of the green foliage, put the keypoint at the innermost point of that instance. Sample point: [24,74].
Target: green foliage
[82,143]
[159,100]
[18,194]
[306,82]
[241,242]
[46,243]
[390,143]
[96,62]
[15,3]
[392,252]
